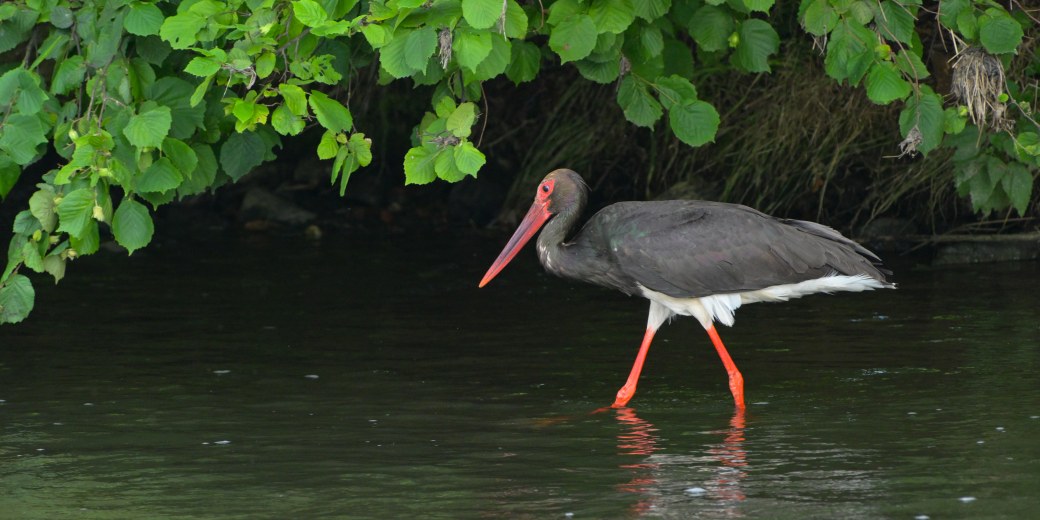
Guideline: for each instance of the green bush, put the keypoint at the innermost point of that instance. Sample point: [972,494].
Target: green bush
[168,99]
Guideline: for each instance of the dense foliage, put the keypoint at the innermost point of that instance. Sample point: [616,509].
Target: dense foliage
[146,102]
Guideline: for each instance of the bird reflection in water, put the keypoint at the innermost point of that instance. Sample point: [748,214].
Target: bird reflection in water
[730,452]
[638,437]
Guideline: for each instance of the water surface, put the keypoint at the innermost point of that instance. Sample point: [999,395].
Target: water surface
[254,377]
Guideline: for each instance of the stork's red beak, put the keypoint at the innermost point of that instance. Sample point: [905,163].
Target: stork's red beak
[533,221]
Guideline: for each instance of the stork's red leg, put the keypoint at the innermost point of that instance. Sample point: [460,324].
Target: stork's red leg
[736,381]
[629,389]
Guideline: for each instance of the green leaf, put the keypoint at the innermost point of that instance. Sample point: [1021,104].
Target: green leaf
[481,14]
[560,10]
[200,92]
[152,49]
[525,63]
[31,256]
[516,20]
[982,185]
[1027,147]
[7,11]
[419,166]
[758,41]
[41,205]
[205,172]
[574,38]
[819,17]
[25,223]
[101,51]
[392,56]
[762,6]
[444,166]
[444,106]
[14,255]
[953,121]
[694,123]
[17,28]
[68,75]
[160,177]
[132,225]
[309,13]
[89,242]
[9,173]
[20,135]
[285,122]
[848,55]
[639,106]
[710,27]
[376,35]
[75,211]
[911,65]
[331,114]
[1018,184]
[496,62]
[148,128]
[54,265]
[61,17]
[30,96]
[468,158]
[265,64]
[202,66]
[612,16]
[885,84]
[295,98]
[968,24]
[241,153]
[651,10]
[950,9]
[328,147]
[461,120]
[471,47]
[675,90]
[419,47]
[895,22]
[361,147]
[605,72]
[16,299]
[181,29]
[999,32]
[927,114]
[181,156]
[652,41]
[143,19]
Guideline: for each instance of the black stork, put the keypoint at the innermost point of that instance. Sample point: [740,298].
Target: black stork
[688,257]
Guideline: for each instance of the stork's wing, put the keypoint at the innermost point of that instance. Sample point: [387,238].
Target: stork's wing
[696,248]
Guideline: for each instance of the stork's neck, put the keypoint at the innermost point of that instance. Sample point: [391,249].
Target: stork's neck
[556,254]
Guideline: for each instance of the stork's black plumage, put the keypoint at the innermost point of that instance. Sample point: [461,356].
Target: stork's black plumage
[697,258]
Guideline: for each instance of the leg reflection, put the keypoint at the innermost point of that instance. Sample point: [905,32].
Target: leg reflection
[728,483]
[638,437]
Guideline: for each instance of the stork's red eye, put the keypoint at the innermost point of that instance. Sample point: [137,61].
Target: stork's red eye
[545,188]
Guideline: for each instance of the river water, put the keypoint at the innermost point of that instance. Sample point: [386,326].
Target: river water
[258,377]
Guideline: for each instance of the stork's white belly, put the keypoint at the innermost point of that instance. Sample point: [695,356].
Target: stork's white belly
[720,307]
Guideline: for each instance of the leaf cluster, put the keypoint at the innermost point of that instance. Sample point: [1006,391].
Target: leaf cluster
[878,44]
[148,101]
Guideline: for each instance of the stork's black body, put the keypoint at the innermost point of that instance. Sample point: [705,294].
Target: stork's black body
[696,258]
[691,249]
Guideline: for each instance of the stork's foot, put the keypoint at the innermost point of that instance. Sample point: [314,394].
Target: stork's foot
[624,395]
[736,386]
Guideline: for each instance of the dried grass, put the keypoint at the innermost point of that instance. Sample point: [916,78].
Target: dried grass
[978,81]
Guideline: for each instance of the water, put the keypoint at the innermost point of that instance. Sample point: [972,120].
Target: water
[257,378]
